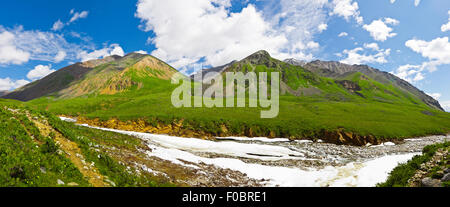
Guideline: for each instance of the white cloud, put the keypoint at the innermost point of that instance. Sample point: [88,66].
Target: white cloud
[9,53]
[446,27]
[60,56]
[7,84]
[43,46]
[322,27]
[436,96]
[445,105]
[206,30]
[356,56]
[117,50]
[113,49]
[391,21]
[437,51]
[373,46]
[379,30]
[58,25]
[78,15]
[39,72]
[343,34]
[142,52]
[392,1]
[416,2]
[312,45]
[347,9]
[410,73]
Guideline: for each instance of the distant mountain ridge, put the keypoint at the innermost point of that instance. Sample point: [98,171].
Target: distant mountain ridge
[328,79]
[293,61]
[3,93]
[103,76]
[337,69]
[307,79]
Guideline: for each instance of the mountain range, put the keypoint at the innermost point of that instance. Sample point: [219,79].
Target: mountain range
[339,103]
[109,75]
[342,74]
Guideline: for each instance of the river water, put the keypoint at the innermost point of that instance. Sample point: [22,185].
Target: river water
[280,162]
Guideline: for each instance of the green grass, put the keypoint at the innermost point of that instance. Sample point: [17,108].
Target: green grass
[299,117]
[401,174]
[381,110]
[27,159]
[23,163]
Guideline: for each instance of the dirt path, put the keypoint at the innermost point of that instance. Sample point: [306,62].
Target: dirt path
[72,151]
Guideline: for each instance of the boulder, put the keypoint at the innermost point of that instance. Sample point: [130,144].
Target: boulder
[429,182]
[447,170]
[446,178]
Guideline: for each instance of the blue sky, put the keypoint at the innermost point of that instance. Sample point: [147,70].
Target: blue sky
[406,37]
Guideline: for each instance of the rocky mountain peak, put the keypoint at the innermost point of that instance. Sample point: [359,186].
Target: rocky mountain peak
[295,62]
[2,93]
[336,69]
[97,62]
[261,57]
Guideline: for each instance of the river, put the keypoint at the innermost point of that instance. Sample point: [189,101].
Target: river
[281,162]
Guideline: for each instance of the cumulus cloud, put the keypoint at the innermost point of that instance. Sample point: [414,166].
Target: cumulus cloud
[410,73]
[322,27]
[7,84]
[391,21]
[347,9]
[39,72]
[9,53]
[206,31]
[113,49]
[379,30]
[358,56]
[446,27]
[437,51]
[142,52]
[343,34]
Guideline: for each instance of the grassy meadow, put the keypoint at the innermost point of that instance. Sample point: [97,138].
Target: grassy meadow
[299,117]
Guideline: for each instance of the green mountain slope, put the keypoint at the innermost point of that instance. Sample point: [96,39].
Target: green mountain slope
[347,85]
[352,108]
[110,75]
[336,70]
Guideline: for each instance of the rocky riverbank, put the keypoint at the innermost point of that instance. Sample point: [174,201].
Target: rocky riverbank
[177,128]
[240,161]
[433,173]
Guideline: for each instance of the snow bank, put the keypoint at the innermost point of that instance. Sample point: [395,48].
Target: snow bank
[254,151]
[259,139]
[177,150]
[67,119]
